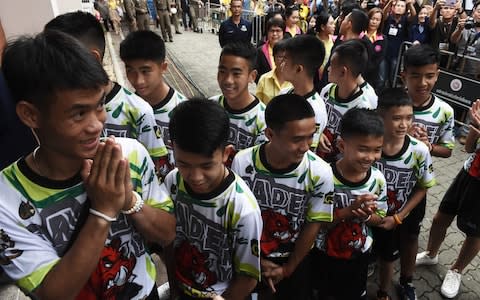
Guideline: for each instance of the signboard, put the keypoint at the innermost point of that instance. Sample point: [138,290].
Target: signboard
[457,89]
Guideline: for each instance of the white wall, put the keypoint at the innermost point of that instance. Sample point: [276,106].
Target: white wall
[29,16]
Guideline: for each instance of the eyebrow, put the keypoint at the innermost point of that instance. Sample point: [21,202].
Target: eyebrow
[86,106]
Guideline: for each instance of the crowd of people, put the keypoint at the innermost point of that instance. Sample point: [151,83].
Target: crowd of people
[289,193]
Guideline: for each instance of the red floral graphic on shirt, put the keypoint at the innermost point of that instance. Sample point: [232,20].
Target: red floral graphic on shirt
[475,166]
[393,203]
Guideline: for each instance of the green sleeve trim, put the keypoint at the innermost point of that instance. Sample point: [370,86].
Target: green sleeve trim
[320,217]
[150,266]
[428,184]
[32,281]
[448,145]
[156,153]
[248,270]
[166,205]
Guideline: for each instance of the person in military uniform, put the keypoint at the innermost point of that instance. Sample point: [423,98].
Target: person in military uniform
[143,19]
[163,16]
[174,17]
[130,15]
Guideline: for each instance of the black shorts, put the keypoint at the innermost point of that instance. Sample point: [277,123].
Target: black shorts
[342,279]
[462,200]
[297,286]
[413,221]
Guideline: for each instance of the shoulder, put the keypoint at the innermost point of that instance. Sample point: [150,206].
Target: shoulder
[418,146]
[324,93]
[317,164]
[443,105]
[179,97]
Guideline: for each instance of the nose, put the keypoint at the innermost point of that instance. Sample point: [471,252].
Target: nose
[139,80]
[195,175]
[96,122]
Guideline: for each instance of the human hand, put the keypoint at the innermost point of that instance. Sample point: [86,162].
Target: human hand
[388,223]
[461,23]
[107,179]
[218,297]
[364,205]
[275,275]
[440,4]
[324,144]
[267,267]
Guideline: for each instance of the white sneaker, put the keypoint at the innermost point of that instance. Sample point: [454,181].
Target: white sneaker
[423,259]
[451,283]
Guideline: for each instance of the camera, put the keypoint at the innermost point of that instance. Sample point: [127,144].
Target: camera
[470,23]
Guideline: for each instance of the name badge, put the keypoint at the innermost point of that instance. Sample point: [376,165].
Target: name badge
[243,28]
[393,31]
[443,46]
[471,50]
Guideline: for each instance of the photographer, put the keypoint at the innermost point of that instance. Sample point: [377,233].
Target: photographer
[466,37]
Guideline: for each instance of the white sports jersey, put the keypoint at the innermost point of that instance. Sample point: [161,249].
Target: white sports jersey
[247,127]
[162,113]
[320,113]
[38,218]
[352,237]
[217,235]
[336,108]
[437,117]
[411,167]
[369,92]
[287,198]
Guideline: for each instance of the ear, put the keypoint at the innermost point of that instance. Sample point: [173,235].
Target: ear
[299,68]
[341,144]
[97,55]
[229,150]
[269,133]
[403,76]
[252,76]
[163,66]
[28,114]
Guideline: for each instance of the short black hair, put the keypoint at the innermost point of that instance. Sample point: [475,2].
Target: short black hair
[38,67]
[322,19]
[199,126]
[82,26]
[274,22]
[354,55]
[143,44]
[359,20]
[285,108]
[241,49]
[279,47]
[361,122]
[420,55]
[393,97]
[290,9]
[348,6]
[306,50]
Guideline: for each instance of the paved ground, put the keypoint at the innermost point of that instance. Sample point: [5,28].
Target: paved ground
[193,59]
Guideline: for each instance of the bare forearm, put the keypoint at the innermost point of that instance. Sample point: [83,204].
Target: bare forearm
[240,288]
[440,151]
[302,245]
[471,141]
[155,225]
[415,199]
[71,273]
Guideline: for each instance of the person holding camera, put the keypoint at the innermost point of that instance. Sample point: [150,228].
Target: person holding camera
[466,37]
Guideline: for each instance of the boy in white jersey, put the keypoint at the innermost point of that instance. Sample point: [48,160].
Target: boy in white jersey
[246,111]
[216,250]
[76,202]
[407,166]
[143,53]
[127,114]
[294,189]
[303,56]
[433,122]
[461,200]
[359,202]
[433,118]
[348,61]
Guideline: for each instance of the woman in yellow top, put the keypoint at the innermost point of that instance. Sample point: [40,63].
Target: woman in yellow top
[292,18]
[325,27]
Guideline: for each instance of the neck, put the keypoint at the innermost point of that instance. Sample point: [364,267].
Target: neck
[421,102]
[236,19]
[323,36]
[349,173]
[275,160]
[52,165]
[109,87]
[347,89]
[158,95]
[303,86]
[350,36]
[392,144]
[241,102]
[371,31]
